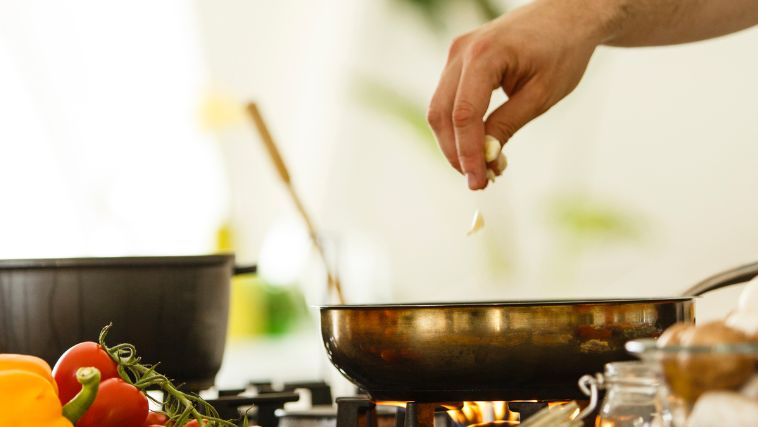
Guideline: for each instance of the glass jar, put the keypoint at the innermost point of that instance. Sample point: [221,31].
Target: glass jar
[693,376]
[633,396]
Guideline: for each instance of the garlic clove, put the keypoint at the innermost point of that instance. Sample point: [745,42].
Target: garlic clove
[500,164]
[744,321]
[749,297]
[491,176]
[492,148]
[476,224]
[723,408]
[750,390]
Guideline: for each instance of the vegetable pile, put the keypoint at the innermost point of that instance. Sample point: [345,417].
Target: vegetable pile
[710,369]
[94,385]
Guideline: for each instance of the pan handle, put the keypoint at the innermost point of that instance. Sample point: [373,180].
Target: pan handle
[242,269]
[725,278]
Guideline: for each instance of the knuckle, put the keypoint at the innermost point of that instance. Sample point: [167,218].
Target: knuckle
[540,97]
[537,89]
[504,129]
[479,47]
[435,117]
[457,45]
[468,158]
[464,114]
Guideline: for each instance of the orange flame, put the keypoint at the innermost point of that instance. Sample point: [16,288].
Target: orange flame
[395,403]
[472,413]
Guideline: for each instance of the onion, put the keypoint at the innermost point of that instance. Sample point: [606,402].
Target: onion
[690,374]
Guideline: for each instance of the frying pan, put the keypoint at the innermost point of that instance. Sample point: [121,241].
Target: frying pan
[174,309]
[512,350]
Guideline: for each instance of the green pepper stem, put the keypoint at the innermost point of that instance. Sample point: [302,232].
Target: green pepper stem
[89,378]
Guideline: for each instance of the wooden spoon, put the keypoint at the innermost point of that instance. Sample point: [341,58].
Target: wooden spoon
[281,168]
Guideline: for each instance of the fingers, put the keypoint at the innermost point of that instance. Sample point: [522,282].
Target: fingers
[471,101]
[440,113]
[525,105]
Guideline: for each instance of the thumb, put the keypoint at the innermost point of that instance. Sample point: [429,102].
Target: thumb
[520,109]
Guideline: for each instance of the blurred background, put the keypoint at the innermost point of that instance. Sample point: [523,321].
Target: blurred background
[124,133]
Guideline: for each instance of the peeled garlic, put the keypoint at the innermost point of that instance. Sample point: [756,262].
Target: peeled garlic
[492,148]
[723,408]
[501,164]
[750,390]
[745,321]
[492,153]
[749,297]
[476,224]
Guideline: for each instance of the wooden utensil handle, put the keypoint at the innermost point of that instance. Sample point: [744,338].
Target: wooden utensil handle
[268,142]
[281,168]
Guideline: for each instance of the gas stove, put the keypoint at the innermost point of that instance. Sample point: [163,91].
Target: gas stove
[287,406]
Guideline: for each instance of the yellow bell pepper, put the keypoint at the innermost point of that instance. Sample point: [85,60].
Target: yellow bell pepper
[25,362]
[29,393]
[27,399]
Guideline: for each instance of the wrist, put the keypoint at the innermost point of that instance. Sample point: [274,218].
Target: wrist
[597,21]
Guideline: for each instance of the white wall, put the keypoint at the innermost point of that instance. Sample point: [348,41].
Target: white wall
[101,149]
[667,135]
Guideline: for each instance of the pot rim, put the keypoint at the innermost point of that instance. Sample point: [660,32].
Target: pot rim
[125,261]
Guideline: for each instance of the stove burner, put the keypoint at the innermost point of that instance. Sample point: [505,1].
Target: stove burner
[527,409]
[360,411]
[418,414]
[267,400]
[266,405]
[321,393]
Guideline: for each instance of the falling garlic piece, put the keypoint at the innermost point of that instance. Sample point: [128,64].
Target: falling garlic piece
[476,224]
[492,153]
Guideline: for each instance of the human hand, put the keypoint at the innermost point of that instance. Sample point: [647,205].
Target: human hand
[537,54]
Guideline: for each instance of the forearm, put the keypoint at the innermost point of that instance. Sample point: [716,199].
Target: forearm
[662,22]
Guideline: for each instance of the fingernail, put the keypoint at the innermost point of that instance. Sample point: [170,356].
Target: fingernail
[471,179]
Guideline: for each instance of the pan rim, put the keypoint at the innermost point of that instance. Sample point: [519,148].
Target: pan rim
[511,303]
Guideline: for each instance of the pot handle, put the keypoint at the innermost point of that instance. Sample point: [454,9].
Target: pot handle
[725,278]
[243,269]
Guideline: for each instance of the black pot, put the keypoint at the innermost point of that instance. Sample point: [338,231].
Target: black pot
[173,309]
